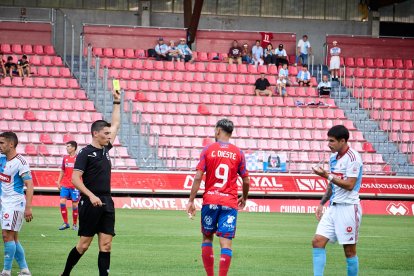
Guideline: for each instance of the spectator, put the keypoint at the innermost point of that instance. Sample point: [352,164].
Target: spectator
[324,87]
[10,66]
[235,53]
[304,49]
[269,55]
[161,50]
[3,69]
[187,54]
[335,61]
[281,85]
[304,77]
[23,67]
[257,54]
[246,55]
[281,55]
[173,52]
[262,86]
[284,71]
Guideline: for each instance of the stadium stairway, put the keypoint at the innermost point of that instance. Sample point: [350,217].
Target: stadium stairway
[130,134]
[372,131]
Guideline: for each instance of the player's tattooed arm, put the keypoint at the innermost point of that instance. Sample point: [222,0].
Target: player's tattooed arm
[327,195]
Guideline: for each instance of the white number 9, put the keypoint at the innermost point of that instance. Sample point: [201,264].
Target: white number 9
[224,168]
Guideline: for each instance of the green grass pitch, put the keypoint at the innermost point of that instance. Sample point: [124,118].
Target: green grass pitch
[168,243]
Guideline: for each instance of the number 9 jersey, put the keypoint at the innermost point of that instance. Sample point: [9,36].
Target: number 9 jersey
[222,163]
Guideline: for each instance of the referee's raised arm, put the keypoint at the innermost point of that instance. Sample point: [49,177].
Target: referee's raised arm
[116,115]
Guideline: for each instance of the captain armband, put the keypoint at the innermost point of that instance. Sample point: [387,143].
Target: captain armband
[27,176]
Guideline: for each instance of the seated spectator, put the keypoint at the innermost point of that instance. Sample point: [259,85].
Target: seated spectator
[324,87]
[187,54]
[23,67]
[262,86]
[284,71]
[235,53]
[269,55]
[257,54]
[161,50]
[11,67]
[335,61]
[2,62]
[304,76]
[281,86]
[173,52]
[246,56]
[281,56]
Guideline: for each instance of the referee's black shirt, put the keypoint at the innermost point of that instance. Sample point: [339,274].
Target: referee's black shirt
[96,167]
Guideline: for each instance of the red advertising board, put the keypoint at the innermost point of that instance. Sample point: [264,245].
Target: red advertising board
[307,206]
[260,184]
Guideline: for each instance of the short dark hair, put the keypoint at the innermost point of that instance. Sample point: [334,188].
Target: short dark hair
[304,36]
[9,58]
[10,136]
[339,132]
[73,144]
[99,125]
[226,125]
[24,57]
[305,66]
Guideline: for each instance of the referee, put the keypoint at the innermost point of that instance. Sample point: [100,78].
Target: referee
[92,177]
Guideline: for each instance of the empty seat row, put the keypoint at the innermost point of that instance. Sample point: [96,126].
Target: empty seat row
[379,83]
[38,93]
[27,49]
[402,136]
[397,126]
[51,115]
[405,105]
[379,62]
[392,115]
[28,126]
[40,82]
[34,104]
[379,73]
[51,71]
[384,94]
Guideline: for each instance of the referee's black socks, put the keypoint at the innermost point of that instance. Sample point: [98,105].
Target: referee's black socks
[104,261]
[72,260]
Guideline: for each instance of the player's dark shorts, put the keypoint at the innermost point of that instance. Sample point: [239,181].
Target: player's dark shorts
[218,219]
[93,220]
[69,194]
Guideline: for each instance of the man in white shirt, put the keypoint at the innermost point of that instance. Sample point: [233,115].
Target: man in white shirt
[257,54]
[284,71]
[324,87]
[335,61]
[161,50]
[304,49]
[281,86]
[341,221]
[281,55]
[185,50]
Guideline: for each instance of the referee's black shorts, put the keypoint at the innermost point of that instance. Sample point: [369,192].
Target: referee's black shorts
[94,220]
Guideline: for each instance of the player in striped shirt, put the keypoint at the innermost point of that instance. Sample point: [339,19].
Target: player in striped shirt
[14,175]
[66,188]
[223,163]
[342,219]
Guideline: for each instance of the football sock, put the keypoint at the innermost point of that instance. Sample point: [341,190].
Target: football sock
[208,257]
[75,215]
[225,260]
[9,251]
[64,212]
[319,261]
[104,261]
[352,266]
[19,256]
[72,260]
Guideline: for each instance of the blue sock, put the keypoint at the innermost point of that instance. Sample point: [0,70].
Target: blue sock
[9,250]
[227,251]
[319,261]
[19,256]
[352,266]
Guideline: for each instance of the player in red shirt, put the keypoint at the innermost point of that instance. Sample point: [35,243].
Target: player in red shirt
[222,162]
[66,188]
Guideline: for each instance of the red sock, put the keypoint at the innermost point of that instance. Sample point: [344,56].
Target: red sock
[208,258]
[64,212]
[225,260]
[75,215]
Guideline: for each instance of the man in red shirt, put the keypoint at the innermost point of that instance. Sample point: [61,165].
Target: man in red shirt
[222,162]
[67,190]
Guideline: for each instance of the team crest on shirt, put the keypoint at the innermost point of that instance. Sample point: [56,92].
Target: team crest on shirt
[349,229]
[6,216]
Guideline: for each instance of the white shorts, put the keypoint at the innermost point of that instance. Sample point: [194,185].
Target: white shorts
[12,219]
[335,62]
[341,223]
